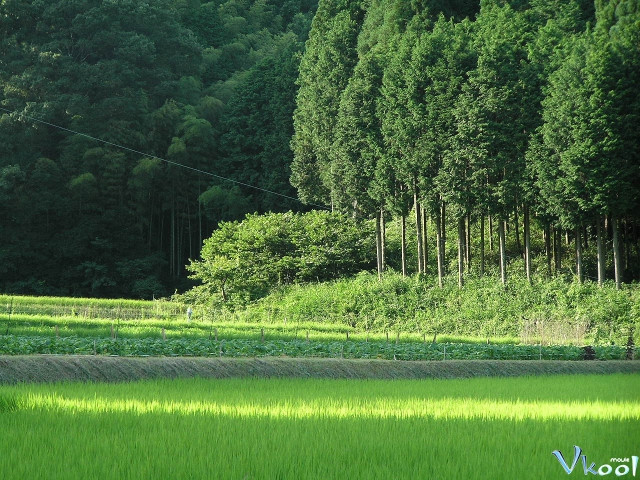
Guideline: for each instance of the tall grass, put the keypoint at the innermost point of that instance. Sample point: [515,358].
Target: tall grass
[307,429]
[551,310]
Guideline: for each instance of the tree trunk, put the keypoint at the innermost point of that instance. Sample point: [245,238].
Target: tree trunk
[418,231]
[578,242]
[199,216]
[150,223]
[601,251]
[617,260]
[439,248]
[383,237]
[503,253]
[482,244]
[547,247]
[527,243]
[468,242]
[379,245]
[179,245]
[461,252]
[490,233]
[403,243]
[444,225]
[425,243]
[517,231]
[625,245]
[557,249]
[223,292]
[189,231]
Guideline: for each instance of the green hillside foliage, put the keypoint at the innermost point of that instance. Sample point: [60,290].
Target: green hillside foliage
[210,85]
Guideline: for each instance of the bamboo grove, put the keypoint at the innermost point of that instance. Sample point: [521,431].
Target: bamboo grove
[516,114]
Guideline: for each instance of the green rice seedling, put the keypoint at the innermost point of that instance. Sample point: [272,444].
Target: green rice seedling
[499,428]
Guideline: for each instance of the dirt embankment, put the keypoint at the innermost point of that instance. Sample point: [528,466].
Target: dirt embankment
[54,368]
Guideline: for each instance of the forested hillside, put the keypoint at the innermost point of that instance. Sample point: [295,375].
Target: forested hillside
[210,85]
[524,114]
[492,132]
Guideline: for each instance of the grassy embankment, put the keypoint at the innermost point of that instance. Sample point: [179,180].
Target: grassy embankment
[550,311]
[303,428]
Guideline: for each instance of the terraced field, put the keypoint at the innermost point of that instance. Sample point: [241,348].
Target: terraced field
[49,325]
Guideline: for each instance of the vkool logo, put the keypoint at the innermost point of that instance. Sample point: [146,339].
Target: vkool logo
[591,468]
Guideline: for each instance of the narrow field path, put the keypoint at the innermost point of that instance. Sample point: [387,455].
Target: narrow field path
[59,368]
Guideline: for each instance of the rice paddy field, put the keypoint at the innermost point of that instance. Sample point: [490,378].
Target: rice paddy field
[480,428]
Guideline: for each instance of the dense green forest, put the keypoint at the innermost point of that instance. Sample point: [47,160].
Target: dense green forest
[498,132]
[210,85]
[528,113]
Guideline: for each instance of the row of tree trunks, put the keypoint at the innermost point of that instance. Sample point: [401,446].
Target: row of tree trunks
[553,240]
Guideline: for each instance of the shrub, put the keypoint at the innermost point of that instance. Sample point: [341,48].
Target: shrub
[244,260]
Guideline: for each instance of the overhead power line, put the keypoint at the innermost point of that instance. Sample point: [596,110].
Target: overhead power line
[170,162]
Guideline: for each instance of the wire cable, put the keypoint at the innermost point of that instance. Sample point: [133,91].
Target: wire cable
[170,162]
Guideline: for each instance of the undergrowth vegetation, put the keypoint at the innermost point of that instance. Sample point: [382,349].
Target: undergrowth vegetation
[546,310]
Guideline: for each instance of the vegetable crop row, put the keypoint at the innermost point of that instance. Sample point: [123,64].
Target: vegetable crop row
[18,345]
